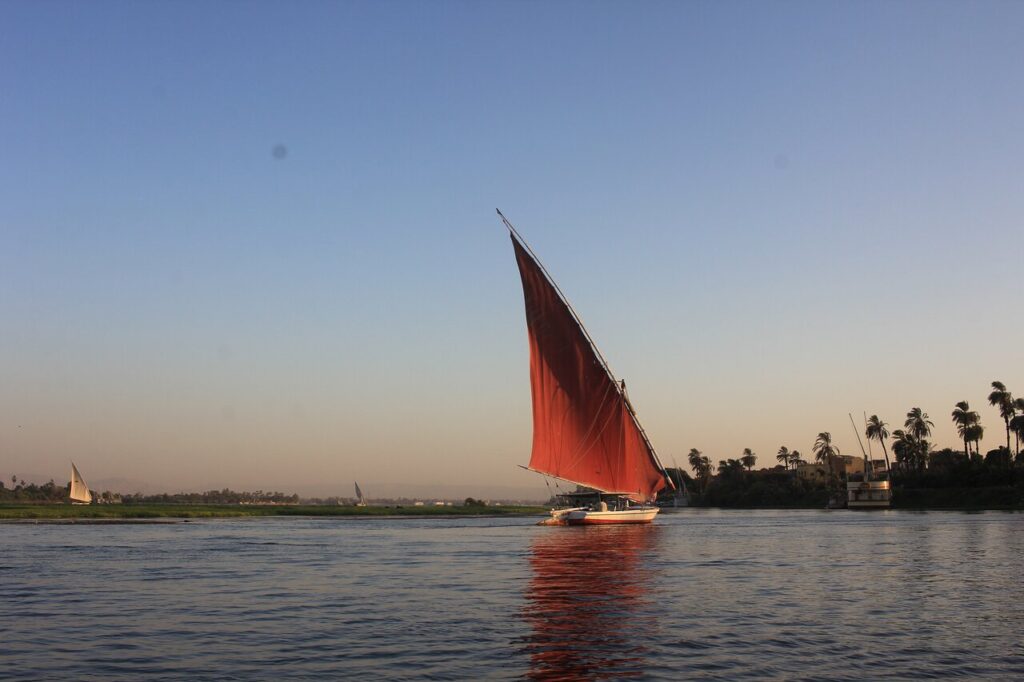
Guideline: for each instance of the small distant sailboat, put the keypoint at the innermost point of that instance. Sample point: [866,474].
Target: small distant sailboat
[80,493]
[360,500]
[680,497]
[585,429]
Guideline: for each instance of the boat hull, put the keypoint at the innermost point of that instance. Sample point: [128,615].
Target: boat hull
[873,504]
[868,495]
[586,517]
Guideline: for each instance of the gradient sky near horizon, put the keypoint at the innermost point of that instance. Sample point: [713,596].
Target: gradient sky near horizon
[254,244]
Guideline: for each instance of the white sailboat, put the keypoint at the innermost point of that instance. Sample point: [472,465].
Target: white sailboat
[80,493]
[680,498]
[585,429]
[360,500]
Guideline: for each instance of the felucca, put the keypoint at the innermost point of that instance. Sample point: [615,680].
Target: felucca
[585,430]
[80,493]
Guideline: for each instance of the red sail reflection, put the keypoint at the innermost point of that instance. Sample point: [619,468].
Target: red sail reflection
[587,602]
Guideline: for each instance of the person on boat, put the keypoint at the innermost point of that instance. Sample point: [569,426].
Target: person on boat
[625,396]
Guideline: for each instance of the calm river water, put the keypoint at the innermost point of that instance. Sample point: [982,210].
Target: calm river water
[699,594]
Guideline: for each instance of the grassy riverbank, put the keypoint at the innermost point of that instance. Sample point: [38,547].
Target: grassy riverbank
[201,511]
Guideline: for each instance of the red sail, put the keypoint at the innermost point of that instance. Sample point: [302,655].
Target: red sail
[583,431]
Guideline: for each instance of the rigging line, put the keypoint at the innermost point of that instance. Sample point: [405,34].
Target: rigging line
[575,483]
[643,434]
[561,295]
[590,340]
[857,433]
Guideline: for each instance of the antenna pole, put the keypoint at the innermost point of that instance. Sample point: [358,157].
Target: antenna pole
[870,453]
[867,462]
[857,433]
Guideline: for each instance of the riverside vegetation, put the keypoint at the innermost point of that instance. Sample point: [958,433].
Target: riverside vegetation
[922,476]
[25,500]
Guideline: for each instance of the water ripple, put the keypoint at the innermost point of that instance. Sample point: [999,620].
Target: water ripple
[701,594]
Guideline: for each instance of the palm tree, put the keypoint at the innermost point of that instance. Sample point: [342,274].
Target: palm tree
[824,451]
[1018,408]
[919,426]
[1001,398]
[748,458]
[701,465]
[877,429]
[975,432]
[784,456]
[1017,426]
[903,448]
[694,458]
[965,419]
[794,459]
[705,470]
[729,466]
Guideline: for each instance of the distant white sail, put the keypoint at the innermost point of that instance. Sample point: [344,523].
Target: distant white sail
[359,496]
[79,490]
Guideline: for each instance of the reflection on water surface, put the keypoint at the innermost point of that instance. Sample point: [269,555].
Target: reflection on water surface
[586,599]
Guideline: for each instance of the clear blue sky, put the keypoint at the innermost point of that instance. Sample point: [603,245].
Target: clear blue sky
[769,214]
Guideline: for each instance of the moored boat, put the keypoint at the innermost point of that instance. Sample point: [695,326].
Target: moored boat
[868,493]
[679,498]
[871,489]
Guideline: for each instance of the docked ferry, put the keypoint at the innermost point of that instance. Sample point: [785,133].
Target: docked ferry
[864,492]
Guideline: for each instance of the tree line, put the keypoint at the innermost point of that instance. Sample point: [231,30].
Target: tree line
[23,491]
[225,496]
[916,461]
[50,492]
